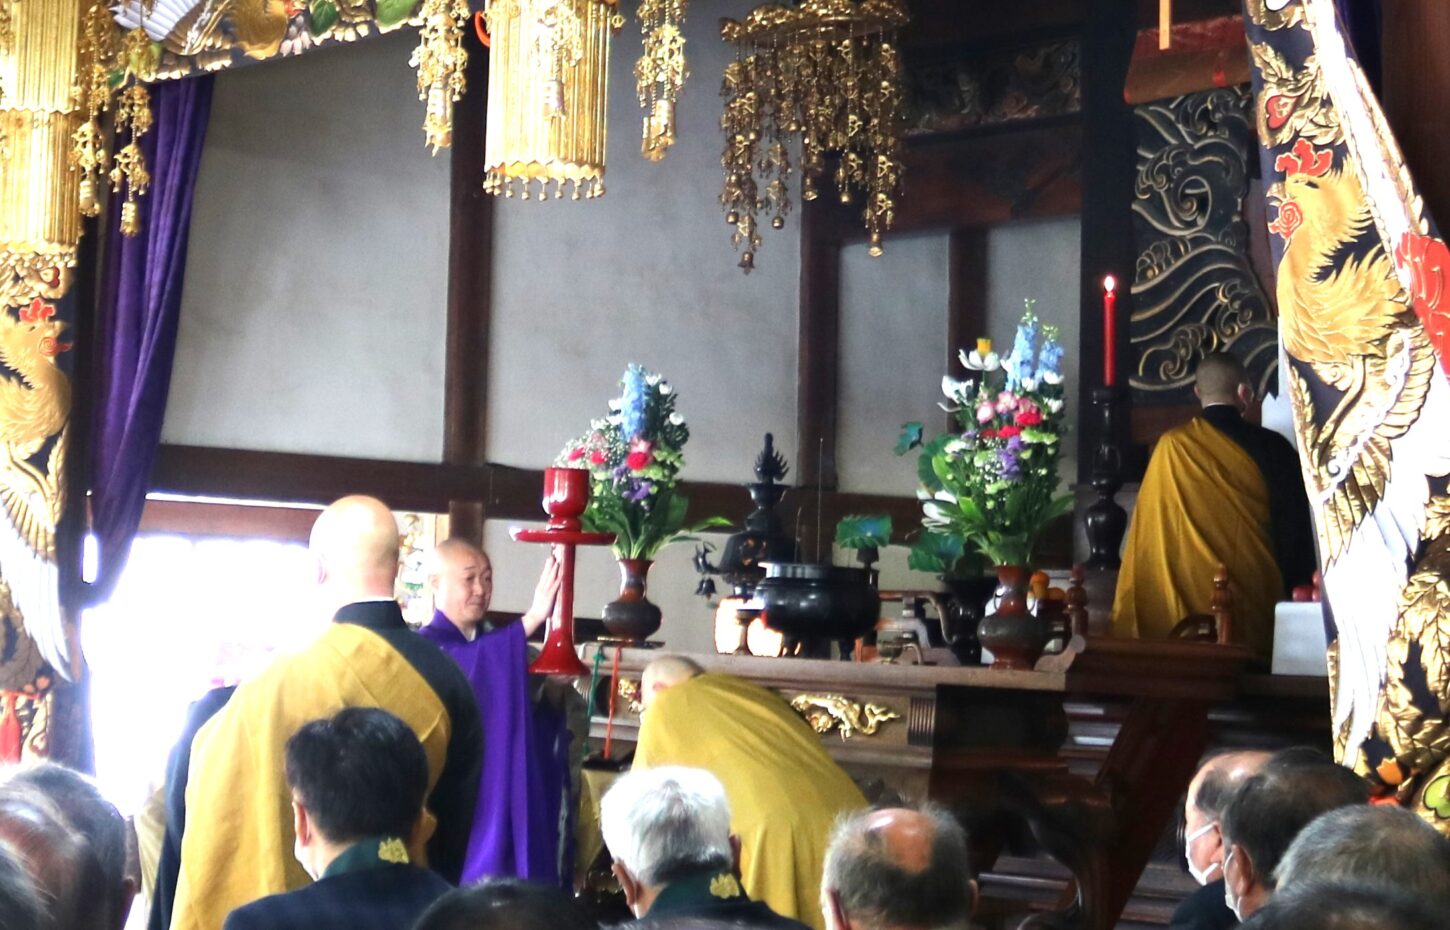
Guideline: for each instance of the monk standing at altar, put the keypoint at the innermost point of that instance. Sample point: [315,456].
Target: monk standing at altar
[784,789]
[1218,490]
[525,761]
[239,840]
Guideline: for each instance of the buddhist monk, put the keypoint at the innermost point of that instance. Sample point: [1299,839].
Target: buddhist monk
[1217,490]
[238,843]
[784,789]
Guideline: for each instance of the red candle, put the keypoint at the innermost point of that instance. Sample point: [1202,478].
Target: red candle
[1110,331]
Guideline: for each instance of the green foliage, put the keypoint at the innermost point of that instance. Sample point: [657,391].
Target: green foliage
[641,533]
[323,16]
[910,437]
[937,552]
[862,531]
[394,12]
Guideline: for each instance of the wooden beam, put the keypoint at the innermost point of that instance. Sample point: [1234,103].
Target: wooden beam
[470,253]
[230,521]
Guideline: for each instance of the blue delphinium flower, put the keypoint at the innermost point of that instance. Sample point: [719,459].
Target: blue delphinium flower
[1049,357]
[633,402]
[1024,351]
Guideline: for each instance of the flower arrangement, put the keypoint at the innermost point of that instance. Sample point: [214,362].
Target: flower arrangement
[634,456]
[991,485]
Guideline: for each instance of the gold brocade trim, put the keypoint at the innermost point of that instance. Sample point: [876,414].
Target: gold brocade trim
[827,712]
[661,72]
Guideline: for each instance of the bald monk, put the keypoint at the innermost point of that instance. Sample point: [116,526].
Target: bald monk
[785,791]
[525,761]
[239,839]
[1218,490]
[1208,795]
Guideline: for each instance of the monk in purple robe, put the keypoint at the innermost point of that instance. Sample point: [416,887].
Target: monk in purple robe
[525,739]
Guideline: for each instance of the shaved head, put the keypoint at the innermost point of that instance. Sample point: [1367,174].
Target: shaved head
[1219,378]
[460,576]
[355,542]
[666,672]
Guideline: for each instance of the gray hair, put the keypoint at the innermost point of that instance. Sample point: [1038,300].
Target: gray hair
[666,823]
[877,893]
[1380,846]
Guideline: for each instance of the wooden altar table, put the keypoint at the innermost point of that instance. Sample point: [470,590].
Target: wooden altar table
[994,745]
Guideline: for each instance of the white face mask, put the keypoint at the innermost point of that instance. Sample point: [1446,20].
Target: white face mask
[1229,898]
[1202,877]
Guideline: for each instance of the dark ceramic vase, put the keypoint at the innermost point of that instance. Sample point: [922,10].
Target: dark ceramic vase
[964,613]
[632,616]
[1014,635]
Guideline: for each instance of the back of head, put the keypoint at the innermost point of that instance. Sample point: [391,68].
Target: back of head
[505,904]
[359,773]
[59,861]
[666,672]
[1268,810]
[1373,846]
[1340,906]
[97,821]
[1220,776]
[901,870]
[1218,378]
[20,904]
[355,541]
[666,823]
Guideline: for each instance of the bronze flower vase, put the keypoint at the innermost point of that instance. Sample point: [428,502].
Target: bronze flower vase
[1013,634]
[632,616]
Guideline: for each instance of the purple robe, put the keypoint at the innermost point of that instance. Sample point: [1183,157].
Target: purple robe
[525,756]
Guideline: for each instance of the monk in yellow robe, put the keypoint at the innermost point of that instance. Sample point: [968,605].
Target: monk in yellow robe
[238,843]
[1217,490]
[784,789]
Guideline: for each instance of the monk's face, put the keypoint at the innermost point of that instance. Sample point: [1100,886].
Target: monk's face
[463,587]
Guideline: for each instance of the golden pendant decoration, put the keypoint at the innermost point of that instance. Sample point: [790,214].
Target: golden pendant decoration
[660,72]
[827,712]
[440,59]
[548,81]
[100,48]
[828,71]
[133,117]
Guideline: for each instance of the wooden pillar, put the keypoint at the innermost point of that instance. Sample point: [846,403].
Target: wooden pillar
[966,296]
[1415,86]
[818,374]
[470,252]
[1108,162]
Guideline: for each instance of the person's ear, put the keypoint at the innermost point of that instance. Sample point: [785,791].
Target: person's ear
[735,854]
[127,898]
[1239,873]
[1246,396]
[627,884]
[975,891]
[1197,393]
[835,914]
[301,826]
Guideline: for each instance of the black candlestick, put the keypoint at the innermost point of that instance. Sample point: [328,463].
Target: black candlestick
[1105,520]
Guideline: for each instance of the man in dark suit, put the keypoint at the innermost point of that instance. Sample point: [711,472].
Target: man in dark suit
[1208,795]
[668,829]
[358,781]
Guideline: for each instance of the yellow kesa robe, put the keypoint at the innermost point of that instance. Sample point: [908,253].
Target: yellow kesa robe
[238,844]
[785,791]
[1203,501]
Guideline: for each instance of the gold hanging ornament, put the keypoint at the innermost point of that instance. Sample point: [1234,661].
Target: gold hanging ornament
[830,72]
[660,72]
[548,80]
[440,59]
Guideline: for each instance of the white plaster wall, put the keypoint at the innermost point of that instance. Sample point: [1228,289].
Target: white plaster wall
[313,311]
[893,354]
[645,274]
[1040,259]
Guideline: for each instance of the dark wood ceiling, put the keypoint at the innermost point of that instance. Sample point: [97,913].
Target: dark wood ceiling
[957,23]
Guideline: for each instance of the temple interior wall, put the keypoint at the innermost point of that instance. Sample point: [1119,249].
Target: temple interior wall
[314,311]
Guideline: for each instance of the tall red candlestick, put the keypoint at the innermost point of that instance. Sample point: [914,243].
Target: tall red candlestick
[1110,331]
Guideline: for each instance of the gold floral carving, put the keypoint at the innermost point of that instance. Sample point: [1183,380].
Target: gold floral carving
[827,712]
[660,72]
[629,690]
[440,59]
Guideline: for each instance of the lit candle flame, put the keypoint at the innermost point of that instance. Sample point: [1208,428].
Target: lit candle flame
[1110,284]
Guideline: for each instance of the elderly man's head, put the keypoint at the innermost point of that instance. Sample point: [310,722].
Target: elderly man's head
[665,824]
[355,542]
[505,904]
[898,869]
[358,774]
[1340,906]
[61,863]
[664,673]
[20,904]
[98,823]
[1266,813]
[1375,846]
[1208,794]
[461,579]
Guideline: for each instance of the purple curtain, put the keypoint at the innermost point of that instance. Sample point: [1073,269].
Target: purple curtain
[136,324]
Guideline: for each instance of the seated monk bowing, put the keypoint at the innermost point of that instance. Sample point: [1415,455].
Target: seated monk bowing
[1217,490]
[785,791]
